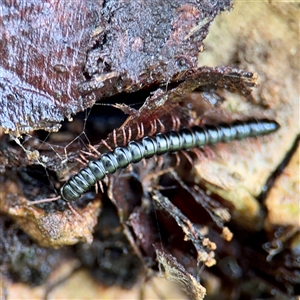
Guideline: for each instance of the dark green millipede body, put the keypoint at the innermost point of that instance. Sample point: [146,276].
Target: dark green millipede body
[159,144]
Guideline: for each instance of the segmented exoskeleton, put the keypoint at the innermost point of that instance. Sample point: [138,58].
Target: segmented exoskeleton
[159,144]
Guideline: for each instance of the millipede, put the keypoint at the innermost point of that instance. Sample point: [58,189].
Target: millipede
[158,144]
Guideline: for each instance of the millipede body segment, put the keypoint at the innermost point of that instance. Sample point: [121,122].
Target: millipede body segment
[159,144]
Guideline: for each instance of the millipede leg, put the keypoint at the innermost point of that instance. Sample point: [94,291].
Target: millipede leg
[153,127]
[89,154]
[138,136]
[129,134]
[96,188]
[144,163]
[177,159]
[115,138]
[174,123]
[187,157]
[84,159]
[94,150]
[72,209]
[99,185]
[46,200]
[80,161]
[124,136]
[142,130]
[177,123]
[106,145]
[210,154]
[162,126]
[158,174]
[199,154]
[160,162]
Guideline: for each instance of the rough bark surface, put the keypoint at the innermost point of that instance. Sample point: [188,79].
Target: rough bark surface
[58,58]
